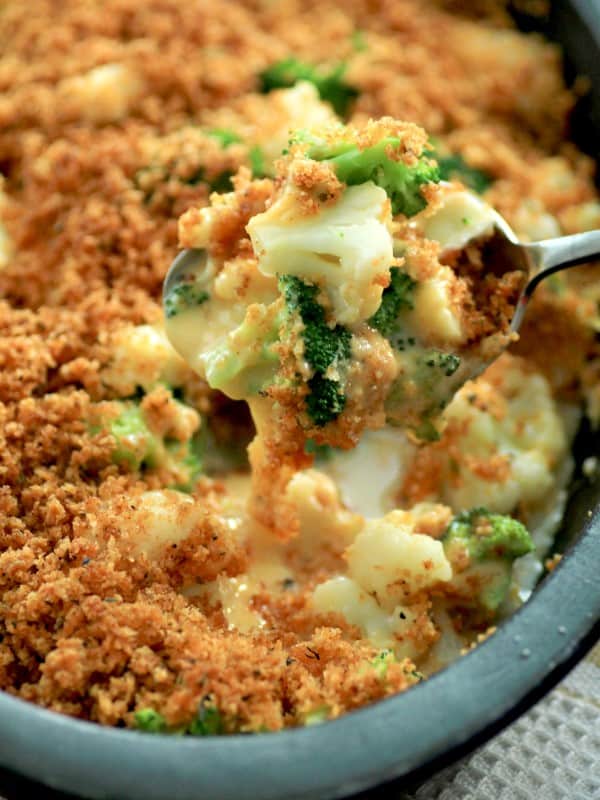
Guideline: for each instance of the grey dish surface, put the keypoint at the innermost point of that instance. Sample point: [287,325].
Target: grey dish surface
[405,737]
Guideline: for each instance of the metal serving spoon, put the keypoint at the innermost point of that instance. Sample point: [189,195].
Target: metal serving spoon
[537,260]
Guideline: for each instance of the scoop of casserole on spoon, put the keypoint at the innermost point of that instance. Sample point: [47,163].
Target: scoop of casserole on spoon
[354,290]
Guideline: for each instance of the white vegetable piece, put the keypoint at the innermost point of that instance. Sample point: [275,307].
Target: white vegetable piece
[143,356]
[391,561]
[344,596]
[346,247]
[461,218]
[104,94]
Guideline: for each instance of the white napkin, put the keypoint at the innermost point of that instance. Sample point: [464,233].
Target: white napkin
[550,753]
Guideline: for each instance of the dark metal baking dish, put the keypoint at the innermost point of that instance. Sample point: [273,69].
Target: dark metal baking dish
[403,738]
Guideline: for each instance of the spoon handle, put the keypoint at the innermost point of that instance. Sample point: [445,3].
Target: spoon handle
[550,255]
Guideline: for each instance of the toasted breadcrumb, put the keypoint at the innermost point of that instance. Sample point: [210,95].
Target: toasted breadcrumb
[91,626]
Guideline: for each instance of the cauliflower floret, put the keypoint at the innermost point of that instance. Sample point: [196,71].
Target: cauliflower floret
[391,561]
[433,318]
[532,222]
[347,246]
[143,356]
[461,217]
[324,522]
[368,474]
[358,607]
[389,565]
[155,520]
[104,94]
[501,448]
[527,433]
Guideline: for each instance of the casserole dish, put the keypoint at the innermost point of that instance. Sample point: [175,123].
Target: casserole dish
[403,736]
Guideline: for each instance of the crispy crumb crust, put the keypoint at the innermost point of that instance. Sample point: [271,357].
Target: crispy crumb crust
[86,627]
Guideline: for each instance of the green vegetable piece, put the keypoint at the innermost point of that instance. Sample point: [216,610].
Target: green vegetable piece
[255,155]
[323,347]
[136,445]
[316,716]
[224,136]
[396,297]
[330,84]
[485,535]
[401,182]
[382,661]
[447,362]
[209,721]
[150,721]
[427,432]
[455,167]
[220,183]
[257,162]
[321,452]
[326,401]
[190,456]
[492,542]
[359,41]
[184,296]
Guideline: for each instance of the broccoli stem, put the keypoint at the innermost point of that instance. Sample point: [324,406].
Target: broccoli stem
[324,346]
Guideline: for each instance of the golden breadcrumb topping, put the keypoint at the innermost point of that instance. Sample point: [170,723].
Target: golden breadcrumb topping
[106,113]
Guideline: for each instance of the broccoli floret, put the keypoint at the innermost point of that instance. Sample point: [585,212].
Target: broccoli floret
[448,363]
[136,445]
[257,162]
[138,448]
[485,535]
[255,155]
[455,167]
[483,546]
[402,182]
[182,297]
[330,84]
[316,716]
[224,136]
[150,721]
[324,346]
[359,41]
[382,661]
[227,137]
[437,375]
[325,401]
[396,297]
[321,452]
[209,722]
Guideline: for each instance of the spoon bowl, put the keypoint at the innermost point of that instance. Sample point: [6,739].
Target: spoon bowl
[537,260]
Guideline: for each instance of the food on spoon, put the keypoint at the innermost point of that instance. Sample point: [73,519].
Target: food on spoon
[340,297]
